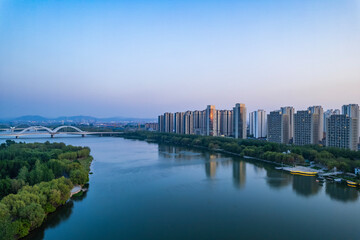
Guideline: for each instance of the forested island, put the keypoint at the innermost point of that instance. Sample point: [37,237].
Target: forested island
[343,159]
[35,179]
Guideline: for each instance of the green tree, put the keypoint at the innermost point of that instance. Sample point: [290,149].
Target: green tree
[78,176]
[23,174]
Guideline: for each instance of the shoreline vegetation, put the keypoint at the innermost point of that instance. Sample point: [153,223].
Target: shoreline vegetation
[280,154]
[35,179]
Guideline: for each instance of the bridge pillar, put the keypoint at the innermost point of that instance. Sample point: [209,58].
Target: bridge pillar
[83,135]
[52,135]
[16,136]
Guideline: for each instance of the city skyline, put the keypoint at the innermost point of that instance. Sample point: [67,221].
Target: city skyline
[139,59]
[312,126]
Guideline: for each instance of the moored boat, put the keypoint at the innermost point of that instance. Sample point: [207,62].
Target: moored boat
[351,183]
[303,173]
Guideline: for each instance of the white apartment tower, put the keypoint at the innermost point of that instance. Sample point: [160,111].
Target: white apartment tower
[257,121]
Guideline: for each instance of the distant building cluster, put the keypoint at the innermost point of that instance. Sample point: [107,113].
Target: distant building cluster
[208,122]
[311,126]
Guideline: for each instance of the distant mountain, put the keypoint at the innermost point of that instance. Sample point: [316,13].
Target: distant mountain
[28,118]
[37,118]
[76,118]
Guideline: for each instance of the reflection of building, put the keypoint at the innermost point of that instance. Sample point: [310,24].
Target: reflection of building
[210,165]
[341,193]
[305,186]
[179,154]
[277,179]
[239,173]
[239,121]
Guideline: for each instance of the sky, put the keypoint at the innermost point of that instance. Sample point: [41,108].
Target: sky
[142,58]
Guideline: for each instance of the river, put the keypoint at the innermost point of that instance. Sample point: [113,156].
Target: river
[141,190]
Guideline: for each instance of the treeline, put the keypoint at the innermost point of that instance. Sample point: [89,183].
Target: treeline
[36,178]
[28,164]
[26,210]
[342,159]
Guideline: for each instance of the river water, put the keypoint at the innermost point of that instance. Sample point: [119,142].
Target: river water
[141,190]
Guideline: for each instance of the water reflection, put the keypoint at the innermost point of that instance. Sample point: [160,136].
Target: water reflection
[305,186]
[239,174]
[176,153]
[341,192]
[277,179]
[302,185]
[210,165]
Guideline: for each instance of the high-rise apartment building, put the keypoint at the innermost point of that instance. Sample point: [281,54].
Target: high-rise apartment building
[339,132]
[328,113]
[352,111]
[198,122]
[320,124]
[289,111]
[211,121]
[239,121]
[226,128]
[179,122]
[188,122]
[168,121]
[161,123]
[257,121]
[278,129]
[306,128]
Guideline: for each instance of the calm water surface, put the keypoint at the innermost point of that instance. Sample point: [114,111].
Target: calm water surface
[143,190]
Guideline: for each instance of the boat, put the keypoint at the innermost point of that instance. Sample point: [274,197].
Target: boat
[303,173]
[351,183]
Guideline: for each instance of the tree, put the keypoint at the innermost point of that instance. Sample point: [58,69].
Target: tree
[78,176]
[7,230]
[23,174]
[33,214]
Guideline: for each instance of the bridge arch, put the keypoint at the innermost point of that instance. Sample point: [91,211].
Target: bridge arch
[36,128]
[61,127]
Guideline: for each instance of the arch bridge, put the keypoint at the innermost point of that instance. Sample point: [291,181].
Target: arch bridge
[38,130]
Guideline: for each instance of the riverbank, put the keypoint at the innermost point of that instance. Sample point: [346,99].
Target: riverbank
[293,159]
[37,178]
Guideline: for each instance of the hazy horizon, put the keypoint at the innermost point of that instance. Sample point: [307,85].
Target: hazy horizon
[142,58]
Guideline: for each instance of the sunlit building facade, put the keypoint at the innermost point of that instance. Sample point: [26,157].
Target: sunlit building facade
[239,121]
[211,121]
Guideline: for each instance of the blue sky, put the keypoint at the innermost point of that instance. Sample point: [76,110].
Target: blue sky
[142,58]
